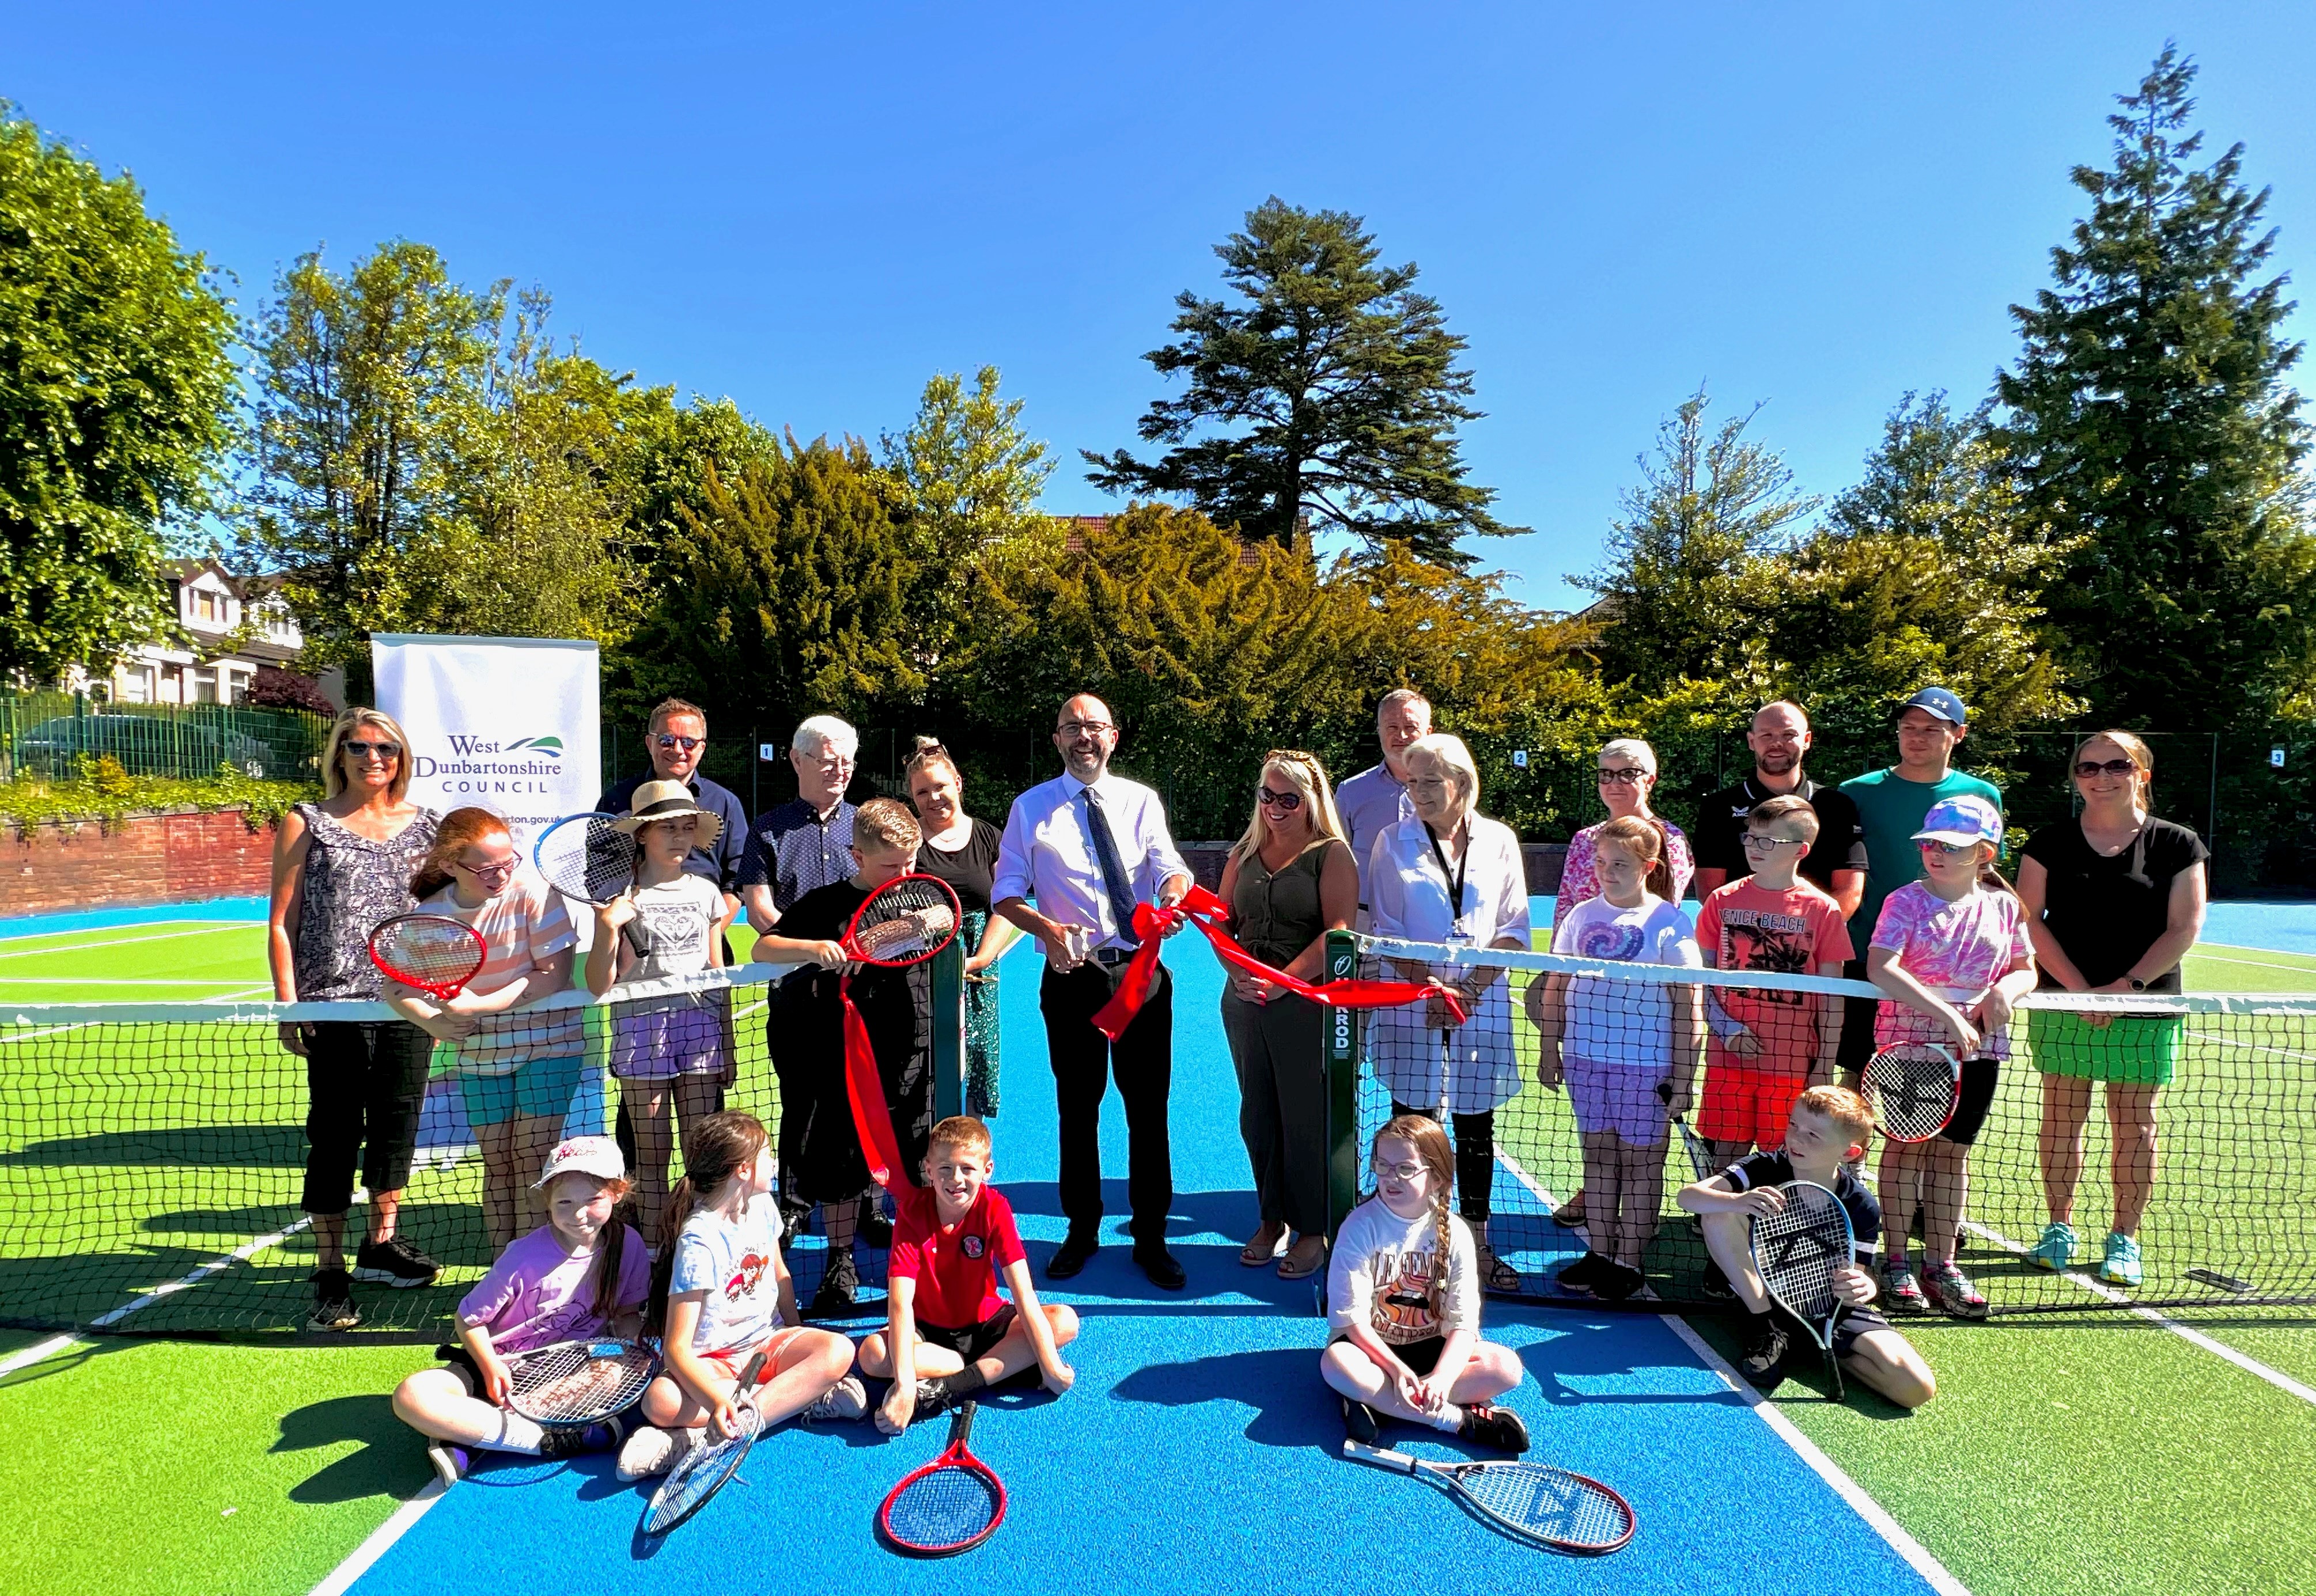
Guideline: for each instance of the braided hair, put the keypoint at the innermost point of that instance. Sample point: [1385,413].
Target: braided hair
[1424,1134]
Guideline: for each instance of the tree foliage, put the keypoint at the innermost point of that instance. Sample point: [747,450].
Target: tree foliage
[116,385]
[2148,416]
[972,474]
[1328,389]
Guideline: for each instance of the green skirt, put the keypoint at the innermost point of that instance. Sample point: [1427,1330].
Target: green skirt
[2131,1050]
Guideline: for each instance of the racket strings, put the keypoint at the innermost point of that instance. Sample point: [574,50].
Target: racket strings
[427,950]
[1799,1249]
[588,858]
[1547,1503]
[908,917]
[578,1385]
[701,1473]
[1916,1087]
[946,1506]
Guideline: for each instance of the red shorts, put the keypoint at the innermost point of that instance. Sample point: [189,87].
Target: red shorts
[735,1359]
[1747,1105]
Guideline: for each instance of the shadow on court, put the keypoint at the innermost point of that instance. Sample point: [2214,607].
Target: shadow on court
[383,1467]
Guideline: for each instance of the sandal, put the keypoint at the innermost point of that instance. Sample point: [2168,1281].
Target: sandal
[1288,1270]
[1254,1255]
[1495,1274]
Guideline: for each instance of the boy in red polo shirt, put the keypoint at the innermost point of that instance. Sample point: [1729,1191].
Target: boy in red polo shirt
[952,1239]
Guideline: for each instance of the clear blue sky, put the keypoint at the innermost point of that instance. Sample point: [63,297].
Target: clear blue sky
[1819,206]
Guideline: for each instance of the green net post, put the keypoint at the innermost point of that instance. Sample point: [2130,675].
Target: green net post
[1341,1043]
[948,1029]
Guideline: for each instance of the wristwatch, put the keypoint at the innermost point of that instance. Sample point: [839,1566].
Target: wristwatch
[2137,985]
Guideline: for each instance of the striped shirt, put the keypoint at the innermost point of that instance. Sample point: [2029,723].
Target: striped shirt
[524,925]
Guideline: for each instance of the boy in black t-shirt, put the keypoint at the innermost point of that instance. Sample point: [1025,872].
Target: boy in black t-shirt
[1826,1132]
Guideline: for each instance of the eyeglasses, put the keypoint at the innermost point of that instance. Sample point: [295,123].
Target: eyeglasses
[1931,845]
[1627,777]
[2087,770]
[363,751]
[668,740]
[831,761]
[1754,840]
[498,871]
[1289,801]
[1401,1171]
[1085,727]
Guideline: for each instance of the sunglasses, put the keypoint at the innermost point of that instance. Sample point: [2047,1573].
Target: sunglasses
[363,751]
[1289,801]
[2087,770]
[1931,845]
[668,740]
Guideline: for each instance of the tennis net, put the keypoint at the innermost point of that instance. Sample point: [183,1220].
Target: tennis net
[2230,1214]
[152,1157]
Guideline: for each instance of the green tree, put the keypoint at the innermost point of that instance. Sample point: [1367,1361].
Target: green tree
[974,475]
[1330,391]
[2148,416]
[116,391]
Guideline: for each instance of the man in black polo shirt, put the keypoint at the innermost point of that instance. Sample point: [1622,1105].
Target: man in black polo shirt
[1836,862]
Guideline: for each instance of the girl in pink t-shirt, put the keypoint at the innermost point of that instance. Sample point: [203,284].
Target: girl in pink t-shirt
[1951,949]
[583,1273]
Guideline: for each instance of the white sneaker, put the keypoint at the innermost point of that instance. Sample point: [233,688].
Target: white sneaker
[847,1399]
[450,1462]
[652,1450]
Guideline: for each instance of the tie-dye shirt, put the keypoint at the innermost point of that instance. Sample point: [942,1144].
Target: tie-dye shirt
[1958,950]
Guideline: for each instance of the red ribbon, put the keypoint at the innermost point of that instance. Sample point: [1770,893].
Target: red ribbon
[1208,912]
[871,1119]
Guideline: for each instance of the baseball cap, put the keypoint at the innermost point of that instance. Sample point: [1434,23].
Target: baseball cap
[1966,819]
[585,1154]
[1941,703]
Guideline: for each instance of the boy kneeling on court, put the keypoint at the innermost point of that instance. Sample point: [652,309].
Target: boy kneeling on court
[952,1239]
[1825,1133]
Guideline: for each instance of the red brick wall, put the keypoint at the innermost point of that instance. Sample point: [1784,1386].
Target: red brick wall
[148,858]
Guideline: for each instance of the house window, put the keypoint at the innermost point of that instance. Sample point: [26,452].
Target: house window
[135,684]
[205,685]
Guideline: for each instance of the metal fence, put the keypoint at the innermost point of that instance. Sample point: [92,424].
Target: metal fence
[58,736]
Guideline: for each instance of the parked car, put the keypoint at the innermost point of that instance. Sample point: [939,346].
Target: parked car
[145,744]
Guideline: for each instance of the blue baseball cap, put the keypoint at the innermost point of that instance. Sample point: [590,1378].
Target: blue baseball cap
[1939,703]
[1964,819]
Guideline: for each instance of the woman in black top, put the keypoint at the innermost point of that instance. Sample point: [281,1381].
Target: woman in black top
[2114,898]
[963,852]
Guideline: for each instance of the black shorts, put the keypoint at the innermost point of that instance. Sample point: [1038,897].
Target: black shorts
[1422,1356]
[457,1357]
[1854,1323]
[1978,1079]
[975,1342]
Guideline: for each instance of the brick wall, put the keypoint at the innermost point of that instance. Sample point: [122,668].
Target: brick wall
[1544,862]
[143,859]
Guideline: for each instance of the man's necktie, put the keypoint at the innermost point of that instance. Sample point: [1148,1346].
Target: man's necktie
[1120,891]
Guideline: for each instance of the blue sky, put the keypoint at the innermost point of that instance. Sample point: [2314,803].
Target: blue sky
[813,209]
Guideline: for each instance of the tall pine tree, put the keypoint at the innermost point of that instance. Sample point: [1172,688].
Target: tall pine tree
[2147,415]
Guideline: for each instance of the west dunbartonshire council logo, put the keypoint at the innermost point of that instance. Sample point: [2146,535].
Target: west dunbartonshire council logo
[481,767]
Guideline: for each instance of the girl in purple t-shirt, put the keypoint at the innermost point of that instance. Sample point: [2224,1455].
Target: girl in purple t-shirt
[1951,949]
[586,1273]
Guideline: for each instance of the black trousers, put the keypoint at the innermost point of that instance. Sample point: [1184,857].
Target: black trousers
[1282,1113]
[1856,1048]
[366,1083]
[1084,1060]
[1475,1158]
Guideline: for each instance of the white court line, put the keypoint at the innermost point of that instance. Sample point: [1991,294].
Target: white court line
[2254,963]
[81,947]
[2187,1333]
[84,980]
[1917,1555]
[374,1546]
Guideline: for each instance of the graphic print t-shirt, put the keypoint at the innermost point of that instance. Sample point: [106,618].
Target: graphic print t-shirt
[1957,950]
[675,917]
[536,1293]
[1744,925]
[1622,1022]
[738,1266]
[955,1271]
[1381,1277]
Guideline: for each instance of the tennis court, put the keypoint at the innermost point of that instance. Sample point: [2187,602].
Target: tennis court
[2092,1453]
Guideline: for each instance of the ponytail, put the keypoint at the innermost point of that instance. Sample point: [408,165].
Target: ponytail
[1646,838]
[713,1150]
[1423,1133]
[610,1255]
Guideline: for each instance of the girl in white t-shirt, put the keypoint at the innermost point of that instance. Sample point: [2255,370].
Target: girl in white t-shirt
[671,1051]
[721,1293]
[1403,1303]
[1626,1049]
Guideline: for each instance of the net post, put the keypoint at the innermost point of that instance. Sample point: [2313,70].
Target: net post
[1340,1042]
[948,1029]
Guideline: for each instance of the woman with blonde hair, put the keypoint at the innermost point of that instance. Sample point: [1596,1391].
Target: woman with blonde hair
[1288,881]
[340,867]
[962,850]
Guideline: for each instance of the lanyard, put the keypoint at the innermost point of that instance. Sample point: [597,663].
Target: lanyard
[1454,881]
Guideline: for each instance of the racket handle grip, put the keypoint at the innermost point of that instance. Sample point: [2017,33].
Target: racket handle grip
[965,1423]
[752,1374]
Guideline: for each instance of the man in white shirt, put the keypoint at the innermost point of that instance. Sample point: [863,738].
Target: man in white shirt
[1375,799]
[1089,846]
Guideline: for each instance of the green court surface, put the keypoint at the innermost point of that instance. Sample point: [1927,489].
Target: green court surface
[2090,1453]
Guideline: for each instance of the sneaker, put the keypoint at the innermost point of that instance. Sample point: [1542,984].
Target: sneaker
[934,1397]
[333,1301]
[2121,1264]
[1491,1426]
[1950,1291]
[652,1450]
[1616,1281]
[1762,1349]
[2057,1250]
[846,1400]
[875,1230]
[1570,1213]
[450,1462]
[1715,1286]
[395,1262]
[1900,1291]
[839,1290]
[1361,1423]
[572,1442]
[1577,1278]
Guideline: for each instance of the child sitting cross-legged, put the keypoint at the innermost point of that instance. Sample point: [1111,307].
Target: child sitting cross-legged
[953,1239]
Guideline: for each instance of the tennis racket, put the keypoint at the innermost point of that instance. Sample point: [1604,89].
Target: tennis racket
[1918,1085]
[578,1382]
[703,1470]
[587,857]
[1535,1501]
[950,1505]
[1700,1156]
[904,922]
[433,953]
[1797,1250]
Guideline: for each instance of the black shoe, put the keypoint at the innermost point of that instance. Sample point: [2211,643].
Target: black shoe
[333,1301]
[1071,1255]
[1159,1265]
[1715,1285]
[1616,1281]
[1361,1423]
[793,1220]
[1763,1348]
[876,1231]
[934,1397]
[839,1287]
[1580,1278]
[1491,1426]
[395,1262]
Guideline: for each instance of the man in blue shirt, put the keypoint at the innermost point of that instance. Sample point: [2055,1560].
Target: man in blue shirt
[1375,799]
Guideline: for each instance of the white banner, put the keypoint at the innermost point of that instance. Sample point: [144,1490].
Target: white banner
[510,724]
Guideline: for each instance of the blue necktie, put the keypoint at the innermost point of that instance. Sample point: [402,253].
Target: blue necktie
[1113,872]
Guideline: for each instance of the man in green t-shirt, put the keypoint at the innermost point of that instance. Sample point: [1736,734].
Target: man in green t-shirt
[1890,805]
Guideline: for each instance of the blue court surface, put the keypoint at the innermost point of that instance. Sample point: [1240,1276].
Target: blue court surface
[1198,1450]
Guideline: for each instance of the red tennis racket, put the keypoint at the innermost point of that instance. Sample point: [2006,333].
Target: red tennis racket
[435,953]
[906,921]
[950,1505]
